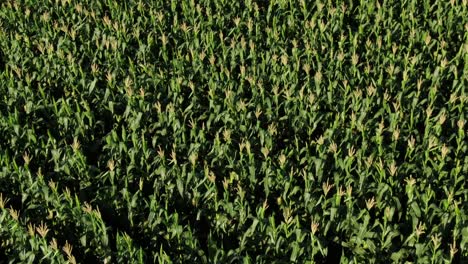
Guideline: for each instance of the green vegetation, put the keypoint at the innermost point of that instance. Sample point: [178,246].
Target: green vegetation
[233,131]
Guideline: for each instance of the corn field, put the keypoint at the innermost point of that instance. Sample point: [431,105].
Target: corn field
[233,131]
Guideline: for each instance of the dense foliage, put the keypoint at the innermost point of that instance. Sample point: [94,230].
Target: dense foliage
[233,131]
